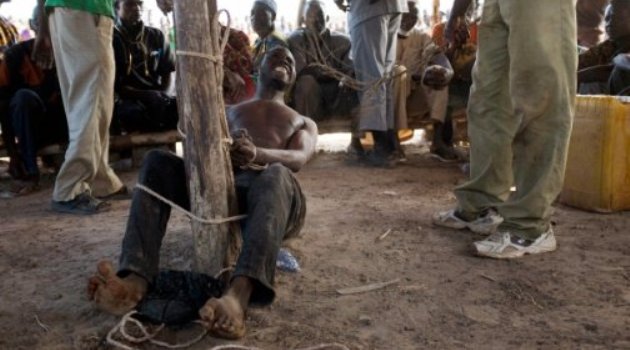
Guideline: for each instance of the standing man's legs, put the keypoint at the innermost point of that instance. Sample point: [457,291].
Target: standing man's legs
[491,124]
[525,142]
[374,52]
[542,85]
[84,59]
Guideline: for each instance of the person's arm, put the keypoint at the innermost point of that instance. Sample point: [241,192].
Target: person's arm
[42,51]
[595,74]
[458,10]
[298,49]
[300,149]
[438,73]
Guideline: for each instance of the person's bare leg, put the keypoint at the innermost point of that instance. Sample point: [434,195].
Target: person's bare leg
[225,316]
[114,294]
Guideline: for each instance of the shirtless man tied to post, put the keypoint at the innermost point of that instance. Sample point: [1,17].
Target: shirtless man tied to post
[266,132]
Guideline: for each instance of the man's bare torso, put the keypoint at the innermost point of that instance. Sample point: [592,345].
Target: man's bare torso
[269,123]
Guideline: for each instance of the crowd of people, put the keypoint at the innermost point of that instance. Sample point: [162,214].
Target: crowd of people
[96,69]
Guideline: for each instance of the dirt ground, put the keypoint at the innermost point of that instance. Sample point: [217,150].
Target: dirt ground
[445,298]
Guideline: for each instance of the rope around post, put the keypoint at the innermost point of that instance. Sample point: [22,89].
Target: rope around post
[216,59]
[214,221]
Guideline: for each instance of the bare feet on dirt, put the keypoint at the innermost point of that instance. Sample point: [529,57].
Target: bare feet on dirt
[224,317]
[114,294]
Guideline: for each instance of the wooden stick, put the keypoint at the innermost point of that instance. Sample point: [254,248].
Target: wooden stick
[367,288]
[382,237]
[44,327]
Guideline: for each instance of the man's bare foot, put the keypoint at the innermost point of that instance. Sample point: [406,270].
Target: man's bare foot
[224,317]
[114,294]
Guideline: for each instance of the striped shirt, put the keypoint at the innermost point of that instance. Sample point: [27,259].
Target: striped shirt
[8,34]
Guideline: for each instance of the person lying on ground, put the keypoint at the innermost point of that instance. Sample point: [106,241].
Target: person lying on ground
[267,133]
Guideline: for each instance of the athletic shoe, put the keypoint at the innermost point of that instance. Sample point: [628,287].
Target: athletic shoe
[486,223]
[505,245]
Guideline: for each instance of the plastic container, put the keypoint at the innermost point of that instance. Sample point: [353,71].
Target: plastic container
[598,167]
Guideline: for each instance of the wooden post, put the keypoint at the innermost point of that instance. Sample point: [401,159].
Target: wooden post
[200,104]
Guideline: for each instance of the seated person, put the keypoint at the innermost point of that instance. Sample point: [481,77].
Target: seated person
[620,76]
[238,85]
[423,74]
[262,17]
[317,93]
[143,69]
[461,54]
[8,33]
[280,139]
[596,64]
[32,112]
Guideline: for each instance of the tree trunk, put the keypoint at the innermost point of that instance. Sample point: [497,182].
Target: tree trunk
[201,107]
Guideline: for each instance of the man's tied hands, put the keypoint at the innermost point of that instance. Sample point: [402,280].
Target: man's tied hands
[243,150]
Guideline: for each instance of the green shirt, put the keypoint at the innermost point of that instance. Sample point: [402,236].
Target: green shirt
[97,7]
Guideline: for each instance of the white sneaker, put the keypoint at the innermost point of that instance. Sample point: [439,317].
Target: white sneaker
[504,245]
[484,224]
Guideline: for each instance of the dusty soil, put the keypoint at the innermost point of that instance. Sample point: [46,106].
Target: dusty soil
[575,298]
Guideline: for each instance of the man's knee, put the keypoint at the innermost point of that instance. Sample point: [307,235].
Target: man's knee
[274,178]
[24,99]
[160,162]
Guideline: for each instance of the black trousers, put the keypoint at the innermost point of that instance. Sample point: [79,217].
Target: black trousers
[36,124]
[272,200]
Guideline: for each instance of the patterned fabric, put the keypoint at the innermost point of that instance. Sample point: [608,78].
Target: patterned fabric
[237,57]
[8,34]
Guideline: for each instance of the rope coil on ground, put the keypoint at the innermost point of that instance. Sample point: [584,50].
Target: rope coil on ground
[214,221]
[121,328]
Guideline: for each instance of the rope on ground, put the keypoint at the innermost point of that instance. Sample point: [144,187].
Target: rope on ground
[214,221]
[121,327]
